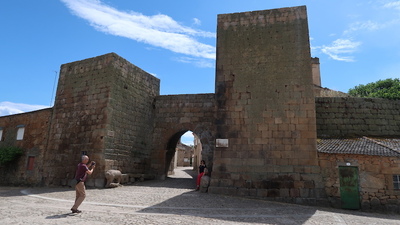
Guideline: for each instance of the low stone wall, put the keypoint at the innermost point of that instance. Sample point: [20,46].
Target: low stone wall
[344,117]
[376,187]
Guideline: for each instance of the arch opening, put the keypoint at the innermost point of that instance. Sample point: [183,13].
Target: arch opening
[183,152]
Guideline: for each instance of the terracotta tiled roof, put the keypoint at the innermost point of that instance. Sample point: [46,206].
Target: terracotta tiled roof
[363,146]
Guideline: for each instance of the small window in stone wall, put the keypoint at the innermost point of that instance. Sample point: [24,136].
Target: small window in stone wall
[31,162]
[396,182]
[20,132]
[1,134]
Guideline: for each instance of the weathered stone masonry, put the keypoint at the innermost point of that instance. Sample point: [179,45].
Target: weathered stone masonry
[265,106]
[177,114]
[103,108]
[354,117]
[263,109]
[34,143]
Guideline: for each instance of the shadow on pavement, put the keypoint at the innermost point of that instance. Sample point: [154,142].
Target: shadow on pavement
[237,209]
[233,209]
[186,179]
[61,216]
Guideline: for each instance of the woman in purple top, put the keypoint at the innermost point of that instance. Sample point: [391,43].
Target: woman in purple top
[80,177]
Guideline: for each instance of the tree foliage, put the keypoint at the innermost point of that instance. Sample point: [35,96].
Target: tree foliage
[9,154]
[389,88]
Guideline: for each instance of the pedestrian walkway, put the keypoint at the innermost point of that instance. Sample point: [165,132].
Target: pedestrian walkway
[172,201]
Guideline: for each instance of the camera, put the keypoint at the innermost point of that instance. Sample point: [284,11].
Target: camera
[93,163]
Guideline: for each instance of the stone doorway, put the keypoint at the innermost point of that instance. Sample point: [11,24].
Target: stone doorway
[184,150]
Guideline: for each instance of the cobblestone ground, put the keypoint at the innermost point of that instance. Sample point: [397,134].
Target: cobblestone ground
[172,201]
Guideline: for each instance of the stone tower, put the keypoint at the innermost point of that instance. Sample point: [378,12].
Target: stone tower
[104,108]
[265,106]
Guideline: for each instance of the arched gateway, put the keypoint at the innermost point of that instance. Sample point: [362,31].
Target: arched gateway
[175,115]
[258,130]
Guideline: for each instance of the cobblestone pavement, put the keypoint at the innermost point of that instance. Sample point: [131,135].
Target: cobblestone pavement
[172,201]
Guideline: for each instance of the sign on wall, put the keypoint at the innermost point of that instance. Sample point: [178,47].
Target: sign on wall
[222,143]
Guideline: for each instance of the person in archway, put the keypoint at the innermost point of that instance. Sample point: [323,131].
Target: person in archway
[201,173]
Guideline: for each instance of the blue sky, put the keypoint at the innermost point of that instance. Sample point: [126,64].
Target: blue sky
[357,41]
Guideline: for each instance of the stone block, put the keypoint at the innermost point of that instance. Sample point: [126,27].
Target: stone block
[124,178]
[90,183]
[375,202]
[335,202]
[294,192]
[99,182]
[71,183]
[284,192]
[365,205]
[263,193]
[304,193]
[392,208]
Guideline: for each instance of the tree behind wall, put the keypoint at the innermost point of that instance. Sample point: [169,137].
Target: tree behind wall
[389,89]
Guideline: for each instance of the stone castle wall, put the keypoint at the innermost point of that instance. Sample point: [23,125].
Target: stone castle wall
[80,118]
[34,143]
[258,132]
[129,143]
[177,114]
[347,117]
[104,109]
[131,109]
[266,107]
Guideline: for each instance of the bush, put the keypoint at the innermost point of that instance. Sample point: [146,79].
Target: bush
[9,154]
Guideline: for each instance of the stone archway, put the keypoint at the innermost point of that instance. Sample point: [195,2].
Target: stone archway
[175,115]
[170,150]
[205,148]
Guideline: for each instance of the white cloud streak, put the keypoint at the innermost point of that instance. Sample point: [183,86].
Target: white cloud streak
[375,26]
[339,48]
[202,63]
[342,48]
[158,30]
[393,5]
[196,21]
[10,108]
[368,25]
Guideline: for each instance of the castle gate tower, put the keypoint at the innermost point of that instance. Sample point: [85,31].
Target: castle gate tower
[266,123]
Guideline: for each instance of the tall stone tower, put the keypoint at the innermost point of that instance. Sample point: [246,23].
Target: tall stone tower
[265,106]
[104,108]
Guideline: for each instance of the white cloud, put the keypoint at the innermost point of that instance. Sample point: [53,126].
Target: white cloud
[10,108]
[368,25]
[158,30]
[387,19]
[202,63]
[393,5]
[340,48]
[196,21]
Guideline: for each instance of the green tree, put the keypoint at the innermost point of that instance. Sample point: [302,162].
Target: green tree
[9,154]
[389,88]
